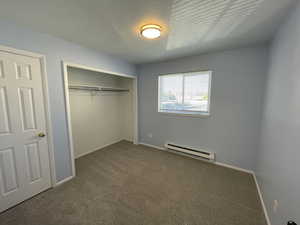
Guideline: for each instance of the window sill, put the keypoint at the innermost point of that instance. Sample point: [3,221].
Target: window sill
[186,114]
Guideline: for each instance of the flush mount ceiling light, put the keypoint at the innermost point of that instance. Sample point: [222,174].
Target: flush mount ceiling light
[151,31]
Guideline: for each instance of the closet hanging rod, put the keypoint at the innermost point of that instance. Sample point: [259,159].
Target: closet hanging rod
[97,88]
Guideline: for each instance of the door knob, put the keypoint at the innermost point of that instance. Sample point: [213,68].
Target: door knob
[41,134]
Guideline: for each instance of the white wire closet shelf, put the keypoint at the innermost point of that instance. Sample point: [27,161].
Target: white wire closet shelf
[97,88]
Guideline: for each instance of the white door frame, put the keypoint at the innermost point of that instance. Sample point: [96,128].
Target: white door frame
[65,66]
[49,133]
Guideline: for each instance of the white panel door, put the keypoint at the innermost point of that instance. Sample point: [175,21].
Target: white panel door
[24,158]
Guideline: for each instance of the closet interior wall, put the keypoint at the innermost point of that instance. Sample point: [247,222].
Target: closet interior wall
[99,118]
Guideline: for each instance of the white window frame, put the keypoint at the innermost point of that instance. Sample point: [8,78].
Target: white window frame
[186,112]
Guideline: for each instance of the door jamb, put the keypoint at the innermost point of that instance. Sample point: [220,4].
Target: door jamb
[46,99]
[65,66]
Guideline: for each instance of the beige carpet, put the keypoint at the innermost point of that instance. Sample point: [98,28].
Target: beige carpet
[124,184]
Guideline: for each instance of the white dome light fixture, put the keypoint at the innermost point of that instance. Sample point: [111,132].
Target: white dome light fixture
[151,31]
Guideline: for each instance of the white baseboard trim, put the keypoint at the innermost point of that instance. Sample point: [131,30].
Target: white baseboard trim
[152,146]
[63,181]
[234,167]
[216,163]
[262,200]
[81,155]
[228,166]
[174,152]
[126,139]
[98,148]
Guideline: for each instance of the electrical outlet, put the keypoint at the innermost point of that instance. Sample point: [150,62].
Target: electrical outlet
[275,206]
[150,135]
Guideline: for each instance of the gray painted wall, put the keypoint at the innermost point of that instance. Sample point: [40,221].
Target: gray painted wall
[232,130]
[278,167]
[55,51]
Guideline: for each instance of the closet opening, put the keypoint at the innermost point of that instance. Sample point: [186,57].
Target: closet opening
[101,109]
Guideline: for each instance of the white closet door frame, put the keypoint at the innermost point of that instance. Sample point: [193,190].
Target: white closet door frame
[65,66]
[42,60]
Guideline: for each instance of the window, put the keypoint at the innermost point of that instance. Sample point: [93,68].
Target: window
[184,93]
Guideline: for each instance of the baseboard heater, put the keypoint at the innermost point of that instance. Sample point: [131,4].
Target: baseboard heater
[191,151]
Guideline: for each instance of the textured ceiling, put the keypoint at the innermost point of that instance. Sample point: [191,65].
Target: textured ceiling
[189,26]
